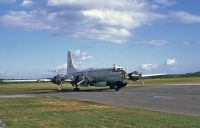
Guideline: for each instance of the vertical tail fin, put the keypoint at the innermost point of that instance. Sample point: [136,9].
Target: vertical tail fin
[70,66]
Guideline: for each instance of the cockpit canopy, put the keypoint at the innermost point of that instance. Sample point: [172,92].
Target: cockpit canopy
[118,68]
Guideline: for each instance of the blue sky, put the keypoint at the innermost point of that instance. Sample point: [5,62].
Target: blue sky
[153,36]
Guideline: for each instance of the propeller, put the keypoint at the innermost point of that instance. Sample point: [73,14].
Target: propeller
[135,75]
[59,80]
[141,77]
[84,79]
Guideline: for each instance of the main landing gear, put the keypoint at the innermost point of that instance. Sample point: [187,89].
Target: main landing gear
[118,85]
[115,87]
[76,89]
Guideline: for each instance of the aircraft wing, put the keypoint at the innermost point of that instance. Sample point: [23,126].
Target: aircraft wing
[68,80]
[148,75]
[25,80]
[135,75]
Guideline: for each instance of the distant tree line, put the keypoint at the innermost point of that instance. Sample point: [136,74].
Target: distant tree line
[186,75]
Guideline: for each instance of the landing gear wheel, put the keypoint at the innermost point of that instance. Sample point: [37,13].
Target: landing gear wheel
[116,88]
[76,89]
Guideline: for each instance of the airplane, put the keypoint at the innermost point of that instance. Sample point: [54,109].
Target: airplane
[115,77]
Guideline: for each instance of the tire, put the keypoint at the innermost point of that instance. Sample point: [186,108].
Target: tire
[76,89]
[116,88]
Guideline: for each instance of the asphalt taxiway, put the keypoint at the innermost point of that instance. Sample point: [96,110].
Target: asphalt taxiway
[180,99]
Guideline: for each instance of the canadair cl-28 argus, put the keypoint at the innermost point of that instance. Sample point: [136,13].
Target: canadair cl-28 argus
[115,77]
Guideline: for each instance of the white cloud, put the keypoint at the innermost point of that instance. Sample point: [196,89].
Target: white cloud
[110,21]
[171,62]
[165,2]
[61,67]
[148,66]
[80,65]
[27,3]
[2,72]
[81,56]
[155,42]
[185,17]
[116,18]
[33,20]
[114,4]
[112,34]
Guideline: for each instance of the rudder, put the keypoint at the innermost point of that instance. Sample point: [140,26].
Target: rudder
[70,66]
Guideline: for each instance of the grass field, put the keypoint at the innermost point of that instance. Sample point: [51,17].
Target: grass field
[35,88]
[190,80]
[39,112]
[29,88]
[50,112]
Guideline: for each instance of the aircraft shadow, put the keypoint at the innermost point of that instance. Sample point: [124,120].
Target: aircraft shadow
[46,91]
[86,90]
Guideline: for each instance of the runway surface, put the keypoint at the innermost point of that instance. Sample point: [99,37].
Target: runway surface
[181,99]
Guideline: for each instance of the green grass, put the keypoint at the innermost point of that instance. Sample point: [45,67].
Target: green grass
[190,80]
[39,112]
[43,112]
[27,88]
[19,88]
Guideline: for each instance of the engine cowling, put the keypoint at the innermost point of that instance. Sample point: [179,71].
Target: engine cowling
[58,79]
[101,84]
[83,80]
[135,75]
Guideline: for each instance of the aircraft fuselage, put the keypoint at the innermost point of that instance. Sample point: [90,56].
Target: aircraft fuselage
[96,77]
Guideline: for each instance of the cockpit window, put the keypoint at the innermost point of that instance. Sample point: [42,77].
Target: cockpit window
[117,69]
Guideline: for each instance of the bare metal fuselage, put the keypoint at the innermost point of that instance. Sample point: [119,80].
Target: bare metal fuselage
[101,76]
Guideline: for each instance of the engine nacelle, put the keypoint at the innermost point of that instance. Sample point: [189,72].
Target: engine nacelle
[134,75]
[58,79]
[101,84]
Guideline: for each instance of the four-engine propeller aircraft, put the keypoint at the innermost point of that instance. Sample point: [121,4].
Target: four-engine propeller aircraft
[115,77]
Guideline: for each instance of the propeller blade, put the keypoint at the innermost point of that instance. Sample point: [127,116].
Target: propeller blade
[60,86]
[80,82]
[58,73]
